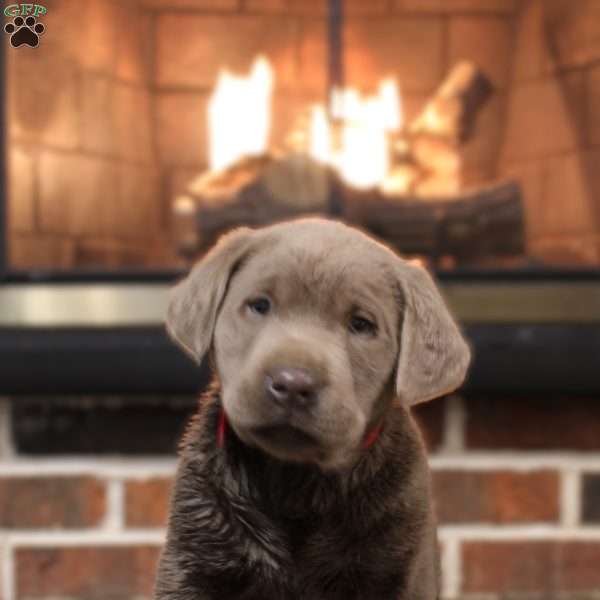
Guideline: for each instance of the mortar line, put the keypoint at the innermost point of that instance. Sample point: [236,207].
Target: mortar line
[530,532]
[516,461]
[100,467]
[8,572]
[115,505]
[87,538]
[570,498]
[451,568]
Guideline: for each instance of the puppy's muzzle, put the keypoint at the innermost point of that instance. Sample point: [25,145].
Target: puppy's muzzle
[292,389]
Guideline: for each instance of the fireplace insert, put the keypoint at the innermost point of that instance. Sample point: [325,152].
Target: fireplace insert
[459,132]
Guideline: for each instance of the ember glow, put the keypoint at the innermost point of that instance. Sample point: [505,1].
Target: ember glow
[239,115]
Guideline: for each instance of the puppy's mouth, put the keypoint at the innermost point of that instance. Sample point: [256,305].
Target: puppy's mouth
[286,436]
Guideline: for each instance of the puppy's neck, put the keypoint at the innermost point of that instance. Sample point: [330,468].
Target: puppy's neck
[222,428]
[295,488]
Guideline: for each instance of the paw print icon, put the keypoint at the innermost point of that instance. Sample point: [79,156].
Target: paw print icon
[24,32]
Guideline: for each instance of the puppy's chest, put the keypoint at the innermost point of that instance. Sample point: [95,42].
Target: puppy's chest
[329,544]
[327,560]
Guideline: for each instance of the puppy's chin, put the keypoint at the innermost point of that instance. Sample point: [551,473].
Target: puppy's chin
[284,442]
[289,444]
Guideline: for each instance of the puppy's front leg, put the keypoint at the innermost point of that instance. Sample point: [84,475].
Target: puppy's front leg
[220,546]
[171,581]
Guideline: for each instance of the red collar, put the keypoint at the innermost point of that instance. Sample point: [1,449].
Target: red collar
[369,440]
[372,436]
[221,429]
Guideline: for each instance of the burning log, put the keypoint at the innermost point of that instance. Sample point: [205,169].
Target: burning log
[452,111]
[466,226]
[430,145]
[254,191]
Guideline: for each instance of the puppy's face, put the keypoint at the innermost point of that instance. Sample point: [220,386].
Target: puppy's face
[305,342]
[306,320]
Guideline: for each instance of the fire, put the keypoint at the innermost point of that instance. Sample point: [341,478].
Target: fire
[320,135]
[239,115]
[362,154]
[356,141]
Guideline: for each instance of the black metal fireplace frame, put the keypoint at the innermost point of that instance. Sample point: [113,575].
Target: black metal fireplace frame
[511,356]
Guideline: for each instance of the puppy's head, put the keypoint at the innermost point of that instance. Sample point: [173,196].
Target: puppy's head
[312,323]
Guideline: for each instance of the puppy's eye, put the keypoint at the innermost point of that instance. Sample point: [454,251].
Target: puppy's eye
[362,326]
[260,306]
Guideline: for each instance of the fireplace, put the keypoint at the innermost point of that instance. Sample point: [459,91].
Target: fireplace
[108,130]
[464,133]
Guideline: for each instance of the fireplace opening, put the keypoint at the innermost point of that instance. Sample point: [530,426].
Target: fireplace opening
[137,133]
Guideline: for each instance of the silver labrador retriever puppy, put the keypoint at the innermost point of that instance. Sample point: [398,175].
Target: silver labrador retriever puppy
[303,476]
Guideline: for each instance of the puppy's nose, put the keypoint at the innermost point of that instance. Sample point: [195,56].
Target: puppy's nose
[296,387]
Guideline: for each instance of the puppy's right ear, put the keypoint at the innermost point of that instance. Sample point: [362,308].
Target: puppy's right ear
[194,302]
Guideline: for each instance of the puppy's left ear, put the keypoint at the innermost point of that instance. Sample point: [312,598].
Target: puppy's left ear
[434,356]
[194,302]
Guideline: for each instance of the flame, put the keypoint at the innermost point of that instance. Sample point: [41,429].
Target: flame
[239,115]
[389,97]
[320,135]
[357,144]
[362,155]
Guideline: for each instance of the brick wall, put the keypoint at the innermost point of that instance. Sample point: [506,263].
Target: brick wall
[517,489]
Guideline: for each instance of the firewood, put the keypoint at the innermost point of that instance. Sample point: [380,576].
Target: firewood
[436,154]
[465,225]
[220,187]
[293,180]
[438,186]
[256,191]
[451,113]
